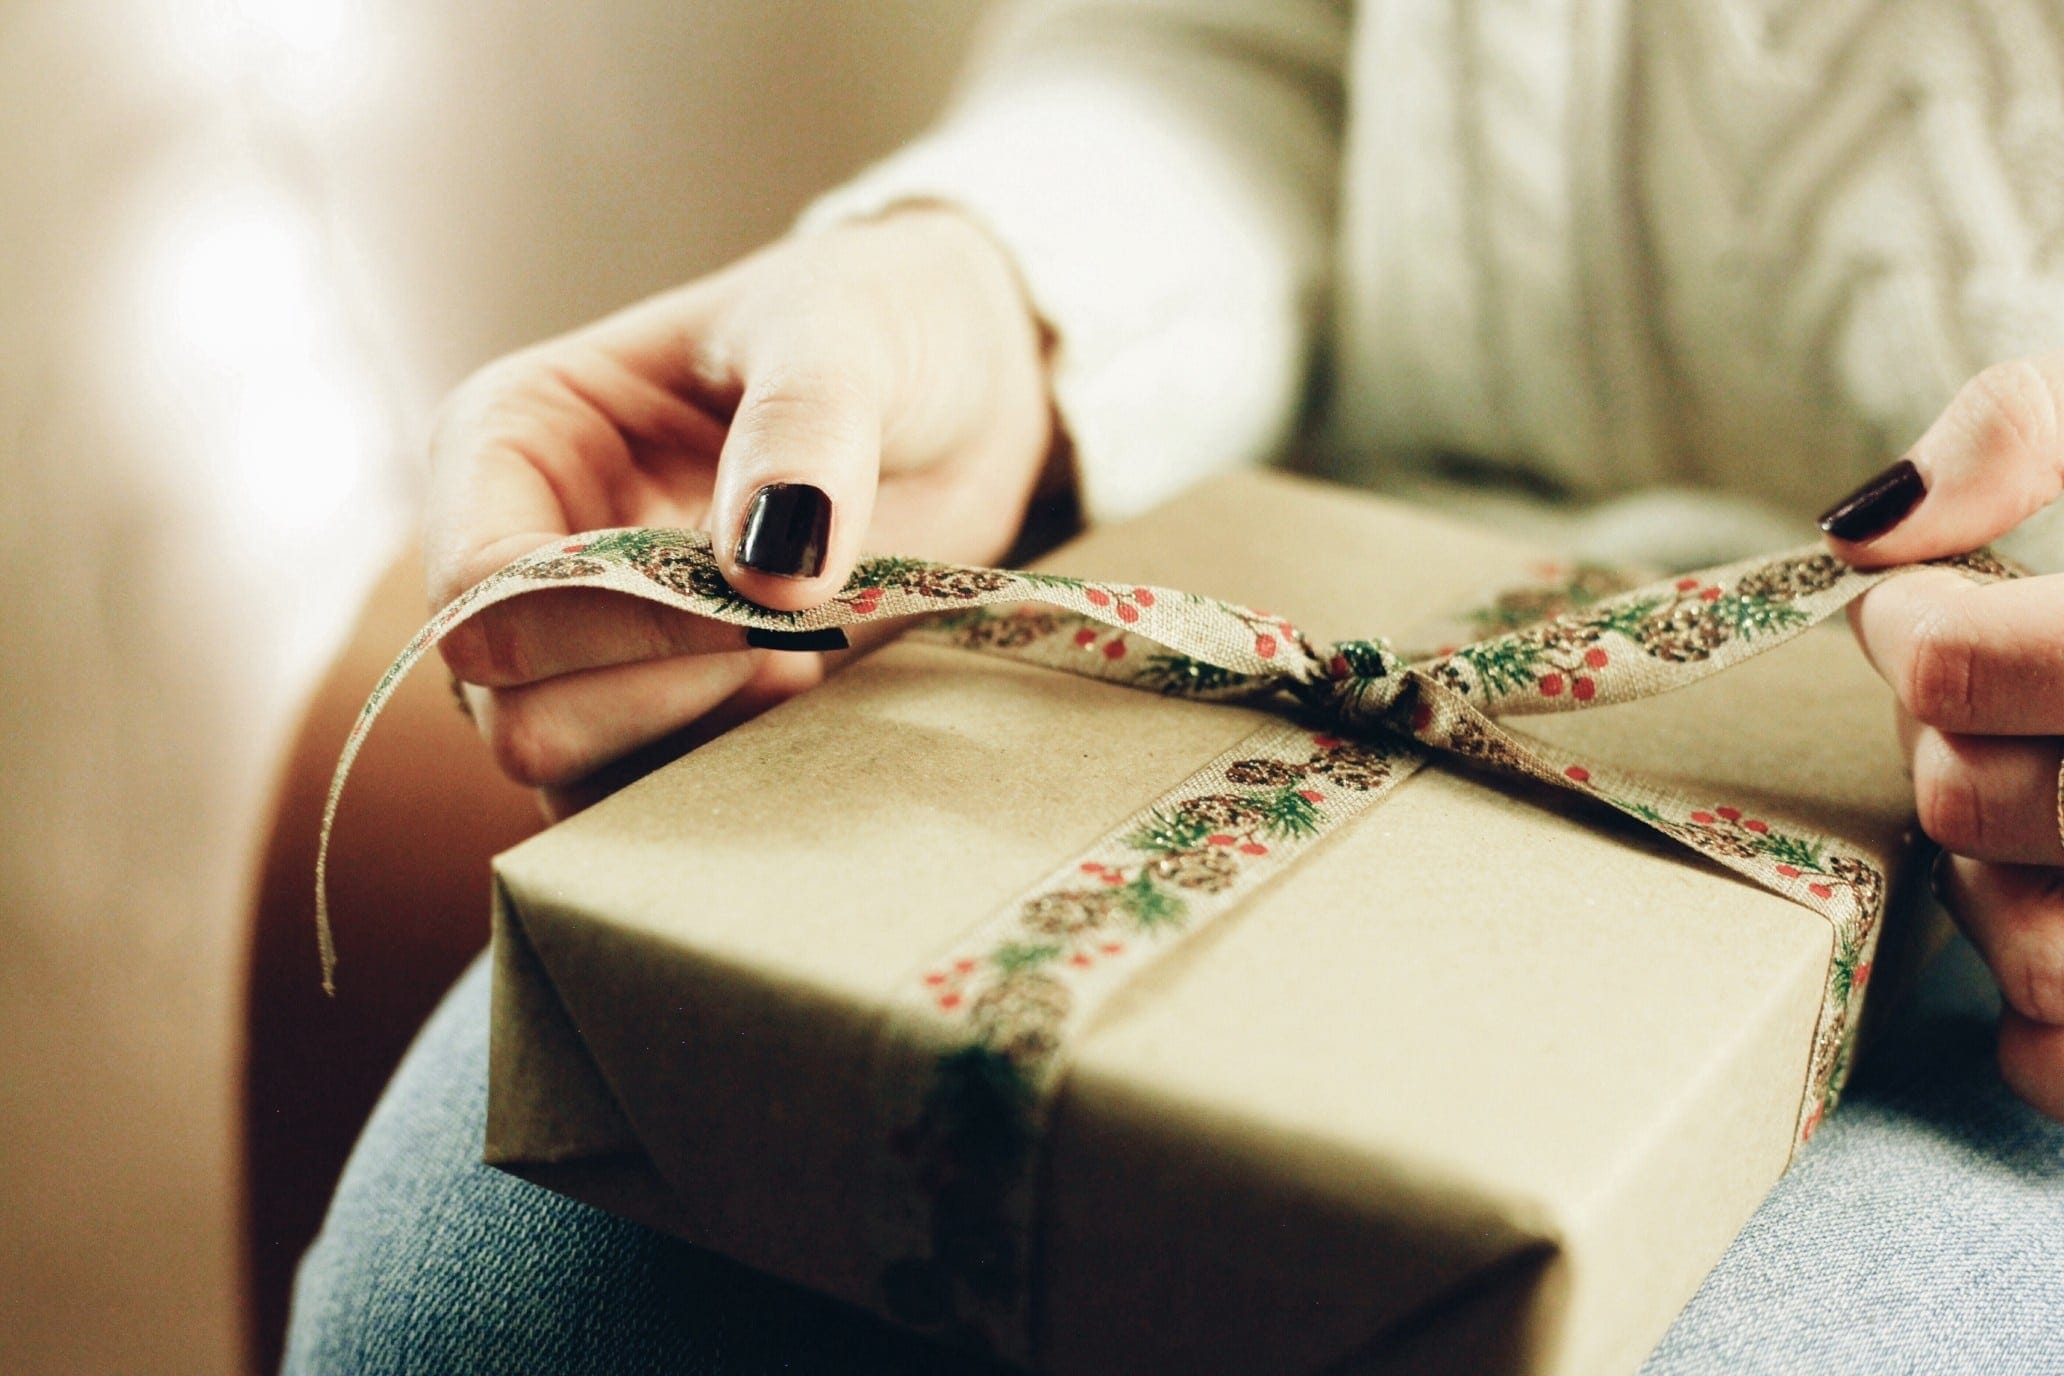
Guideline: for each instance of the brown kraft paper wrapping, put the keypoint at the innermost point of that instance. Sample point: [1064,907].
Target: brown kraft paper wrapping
[1484,1082]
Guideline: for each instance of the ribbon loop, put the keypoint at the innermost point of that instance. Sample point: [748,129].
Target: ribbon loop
[976,1049]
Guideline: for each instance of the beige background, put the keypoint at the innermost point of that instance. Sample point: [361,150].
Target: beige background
[244,245]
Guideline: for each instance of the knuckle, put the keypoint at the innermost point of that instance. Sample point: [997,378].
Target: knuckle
[2012,411]
[464,649]
[484,392]
[1940,682]
[525,747]
[1951,809]
[813,403]
[489,650]
[2031,974]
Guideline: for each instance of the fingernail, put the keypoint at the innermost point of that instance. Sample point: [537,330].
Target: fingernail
[1877,506]
[786,529]
[829,638]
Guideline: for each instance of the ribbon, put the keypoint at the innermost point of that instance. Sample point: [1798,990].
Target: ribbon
[976,1042]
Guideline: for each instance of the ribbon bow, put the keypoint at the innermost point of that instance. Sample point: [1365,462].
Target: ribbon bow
[976,1041]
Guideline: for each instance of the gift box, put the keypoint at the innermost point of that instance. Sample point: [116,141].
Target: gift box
[1483,1079]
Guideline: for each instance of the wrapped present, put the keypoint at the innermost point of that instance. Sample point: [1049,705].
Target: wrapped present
[1126,980]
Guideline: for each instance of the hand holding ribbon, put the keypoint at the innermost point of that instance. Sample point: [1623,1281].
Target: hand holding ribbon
[979,1039]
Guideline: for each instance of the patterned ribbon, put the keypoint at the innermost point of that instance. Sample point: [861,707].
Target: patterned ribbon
[977,1040]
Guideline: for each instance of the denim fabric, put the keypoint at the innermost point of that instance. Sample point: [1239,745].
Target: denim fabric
[1922,1231]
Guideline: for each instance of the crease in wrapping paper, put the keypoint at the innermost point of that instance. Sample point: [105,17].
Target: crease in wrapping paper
[1623,648]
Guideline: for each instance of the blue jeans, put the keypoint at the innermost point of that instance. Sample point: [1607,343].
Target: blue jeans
[1922,1231]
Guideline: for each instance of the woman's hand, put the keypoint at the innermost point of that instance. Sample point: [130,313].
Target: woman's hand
[1979,672]
[879,386]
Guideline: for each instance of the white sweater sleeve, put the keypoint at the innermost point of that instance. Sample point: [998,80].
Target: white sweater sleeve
[1163,174]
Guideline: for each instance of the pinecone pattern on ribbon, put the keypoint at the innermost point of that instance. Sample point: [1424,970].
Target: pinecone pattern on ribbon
[1351,724]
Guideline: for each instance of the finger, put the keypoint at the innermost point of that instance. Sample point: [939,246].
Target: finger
[564,630]
[795,484]
[2014,915]
[1987,797]
[778,677]
[2031,1061]
[562,729]
[1984,659]
[1991,460]
[558,438]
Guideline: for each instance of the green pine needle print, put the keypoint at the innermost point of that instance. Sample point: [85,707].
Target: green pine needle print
[1790,850]
[636,545]
[1626,618]
[1024,955]
[1287,813]
[1365,658]
[1046,580]
[1750,617]
[883,571]
[1504,665]
[1179,675]
[1846,962]
[1150,905]
[730,598]
[1167,832]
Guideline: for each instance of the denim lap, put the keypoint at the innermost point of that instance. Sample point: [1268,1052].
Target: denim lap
[1922,1231]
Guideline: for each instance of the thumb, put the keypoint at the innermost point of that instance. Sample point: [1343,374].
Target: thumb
[795,486]
[1991,460]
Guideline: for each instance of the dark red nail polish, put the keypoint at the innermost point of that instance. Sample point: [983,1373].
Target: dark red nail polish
[1877,506]
[828,638]
[787,527]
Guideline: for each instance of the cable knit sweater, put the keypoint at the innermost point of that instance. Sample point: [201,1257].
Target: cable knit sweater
[1752,245]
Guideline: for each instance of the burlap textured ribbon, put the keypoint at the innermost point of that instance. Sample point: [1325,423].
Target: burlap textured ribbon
[978,1039]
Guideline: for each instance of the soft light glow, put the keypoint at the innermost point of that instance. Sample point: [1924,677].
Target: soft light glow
[313,58]
[247,349]
[234,275]
[312,28]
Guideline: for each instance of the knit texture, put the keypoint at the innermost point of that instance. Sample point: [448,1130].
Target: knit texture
[1749,244]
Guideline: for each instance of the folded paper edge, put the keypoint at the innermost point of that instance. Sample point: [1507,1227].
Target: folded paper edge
[547,1103]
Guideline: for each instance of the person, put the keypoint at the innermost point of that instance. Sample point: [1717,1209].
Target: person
[1569,253]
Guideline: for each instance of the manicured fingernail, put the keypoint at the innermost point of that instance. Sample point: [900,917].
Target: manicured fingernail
[786,529]
[829,638]
[1877,506]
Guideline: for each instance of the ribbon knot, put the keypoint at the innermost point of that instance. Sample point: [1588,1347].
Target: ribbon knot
[1357,687]
[973,1051]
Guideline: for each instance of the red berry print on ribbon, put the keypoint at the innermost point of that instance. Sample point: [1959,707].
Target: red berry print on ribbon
[1123,603]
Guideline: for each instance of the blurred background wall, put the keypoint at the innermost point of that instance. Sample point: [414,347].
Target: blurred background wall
[244,246]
